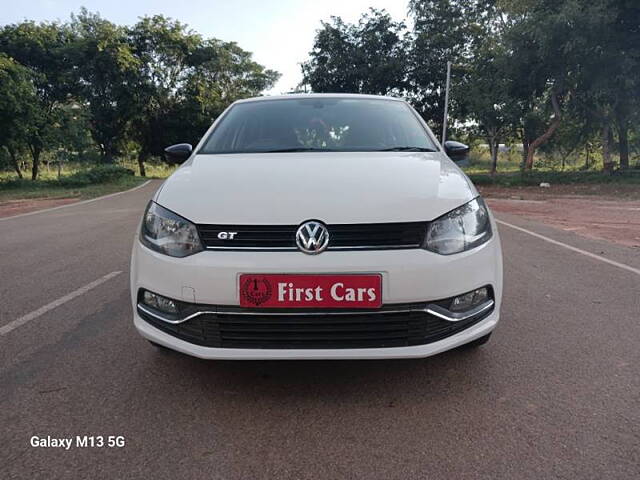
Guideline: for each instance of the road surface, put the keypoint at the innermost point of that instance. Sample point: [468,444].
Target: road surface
[554,394]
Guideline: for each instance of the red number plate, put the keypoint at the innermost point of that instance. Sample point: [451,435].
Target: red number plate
[310,291]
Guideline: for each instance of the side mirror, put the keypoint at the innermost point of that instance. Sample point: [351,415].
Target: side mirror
[456,151]
[179,152]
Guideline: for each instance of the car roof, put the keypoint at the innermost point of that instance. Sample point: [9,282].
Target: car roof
[319,95]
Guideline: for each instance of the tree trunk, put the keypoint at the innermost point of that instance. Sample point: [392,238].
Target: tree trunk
[586,160]
[35,156]
[141,159]
[494,145]
[606,147]
[555,123]
[107,154]
[525,149]
[623,136]
[15,162]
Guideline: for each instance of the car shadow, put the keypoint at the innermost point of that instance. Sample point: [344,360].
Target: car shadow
[296,379]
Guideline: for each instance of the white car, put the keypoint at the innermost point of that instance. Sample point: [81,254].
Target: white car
[317,227]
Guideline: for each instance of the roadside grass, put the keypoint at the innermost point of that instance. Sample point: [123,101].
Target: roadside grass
[154,168]
[79,180]
[81,185]
[547,169]
[509,162]
[482,164]
[159,170]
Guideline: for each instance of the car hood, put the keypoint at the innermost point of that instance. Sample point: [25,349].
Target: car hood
[289,188]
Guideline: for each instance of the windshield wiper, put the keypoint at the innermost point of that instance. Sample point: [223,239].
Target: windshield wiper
[297,149]
[407,149]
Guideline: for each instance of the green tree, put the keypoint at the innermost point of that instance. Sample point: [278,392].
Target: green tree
[566,51]
[609,80]
[73,137]
[626,47]
[18,104]
[444,30]
[162,47]
[107,80]
[369,57]
[480,88]
[222,73]
[185,82]
[45,50]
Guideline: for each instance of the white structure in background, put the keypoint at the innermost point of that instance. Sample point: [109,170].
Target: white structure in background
[502,148]
[446,104]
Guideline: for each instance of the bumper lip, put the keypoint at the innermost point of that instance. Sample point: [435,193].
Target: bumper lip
[478,330]
[429,308]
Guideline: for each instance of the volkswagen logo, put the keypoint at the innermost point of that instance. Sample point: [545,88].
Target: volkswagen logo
[312,237]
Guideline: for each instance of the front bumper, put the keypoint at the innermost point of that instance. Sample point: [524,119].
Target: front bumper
[408,276]
[418,351]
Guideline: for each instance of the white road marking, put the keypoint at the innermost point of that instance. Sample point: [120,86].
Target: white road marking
[56,303]
[574,249]
[83,202]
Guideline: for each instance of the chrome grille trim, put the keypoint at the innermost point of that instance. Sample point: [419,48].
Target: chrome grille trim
[343,237]
[430,308]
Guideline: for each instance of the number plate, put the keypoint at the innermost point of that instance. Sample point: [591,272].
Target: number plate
[310,291]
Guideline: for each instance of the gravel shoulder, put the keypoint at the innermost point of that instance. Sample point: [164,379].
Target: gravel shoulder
[16,202]
[604,212]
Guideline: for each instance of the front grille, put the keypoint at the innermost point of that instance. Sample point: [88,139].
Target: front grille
[228,329]
[357,236]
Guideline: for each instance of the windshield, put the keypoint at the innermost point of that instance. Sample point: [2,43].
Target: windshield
[318,124]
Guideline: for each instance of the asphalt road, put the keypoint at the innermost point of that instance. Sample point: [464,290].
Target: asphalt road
[554,394]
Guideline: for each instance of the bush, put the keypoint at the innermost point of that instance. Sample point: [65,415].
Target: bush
[93,176]
[15,184]
[99,174]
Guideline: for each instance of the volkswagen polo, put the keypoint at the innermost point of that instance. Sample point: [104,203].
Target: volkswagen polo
[315,227]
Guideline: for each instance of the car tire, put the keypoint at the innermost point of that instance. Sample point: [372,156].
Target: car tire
[477,342]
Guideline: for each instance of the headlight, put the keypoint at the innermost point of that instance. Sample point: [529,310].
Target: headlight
[461,229]
[168,233]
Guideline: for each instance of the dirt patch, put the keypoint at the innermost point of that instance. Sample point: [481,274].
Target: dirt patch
[609,216]
[16,207]
[607,191]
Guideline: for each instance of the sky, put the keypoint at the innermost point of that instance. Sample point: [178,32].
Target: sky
[279,33]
